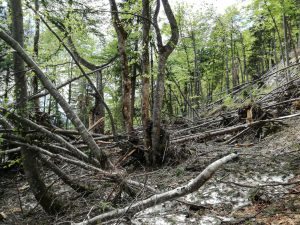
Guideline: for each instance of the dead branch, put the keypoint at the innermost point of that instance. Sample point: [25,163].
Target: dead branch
[77,186]
[95,124]
[13,150]
[213,133]
[192,186]
[63,142]
[281,103]
[236,136]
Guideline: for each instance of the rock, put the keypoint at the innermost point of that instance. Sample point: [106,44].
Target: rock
[3,216]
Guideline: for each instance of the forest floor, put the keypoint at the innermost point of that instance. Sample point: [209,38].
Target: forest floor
[261,187]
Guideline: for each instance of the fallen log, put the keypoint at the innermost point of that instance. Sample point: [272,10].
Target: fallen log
[192,186]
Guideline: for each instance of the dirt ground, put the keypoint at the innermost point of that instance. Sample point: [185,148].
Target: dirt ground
[261,187]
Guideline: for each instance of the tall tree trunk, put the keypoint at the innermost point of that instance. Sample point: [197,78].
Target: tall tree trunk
[197,71]
[276,28]
[133,78]
[170,102]
[146,79]
[43,195]
[69,90]
[227,66]
[286,40]
[159,140]
[292,42]
[234,82]
[35,84]
[126,90]
[275,48]
[152,76]
[245,73]
[286,45]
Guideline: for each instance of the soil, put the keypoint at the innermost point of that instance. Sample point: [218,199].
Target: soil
[261,187]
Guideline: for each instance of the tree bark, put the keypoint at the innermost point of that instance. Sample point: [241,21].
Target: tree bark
[276,28]
[146,79]
[36,39]
[126,81]
[286,45]
[43,195]
[164,52]
[227,66]
[98,111]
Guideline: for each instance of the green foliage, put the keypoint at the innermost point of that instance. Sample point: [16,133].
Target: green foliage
[228,101]
[16,162]
[179,171]
[105,206]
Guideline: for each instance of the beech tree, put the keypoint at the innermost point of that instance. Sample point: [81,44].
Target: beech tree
[126,81]
[159,141]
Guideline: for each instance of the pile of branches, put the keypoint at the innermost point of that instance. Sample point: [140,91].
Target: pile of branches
[251,118]
[56,147]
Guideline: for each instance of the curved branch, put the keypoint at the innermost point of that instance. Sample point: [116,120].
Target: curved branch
[156,26]
[192,186]
[169,47]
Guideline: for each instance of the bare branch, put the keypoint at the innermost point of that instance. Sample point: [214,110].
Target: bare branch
[192,186]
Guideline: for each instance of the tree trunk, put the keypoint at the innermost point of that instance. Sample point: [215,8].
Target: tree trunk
[159,137]
[286,40]
[286,45]
[245,73]
[276,28]
[36,102]
[227,66]
[98,111]
[197,72]
[133,78]
[146,79]
[292,42]
[126,90]
[43,195]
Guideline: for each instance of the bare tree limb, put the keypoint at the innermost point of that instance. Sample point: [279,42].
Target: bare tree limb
[49,134]
[192,186]
[212,133]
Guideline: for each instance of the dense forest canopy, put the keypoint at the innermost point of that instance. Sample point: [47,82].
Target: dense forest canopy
[78,74]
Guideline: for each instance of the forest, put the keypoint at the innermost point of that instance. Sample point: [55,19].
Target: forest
[149,112]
